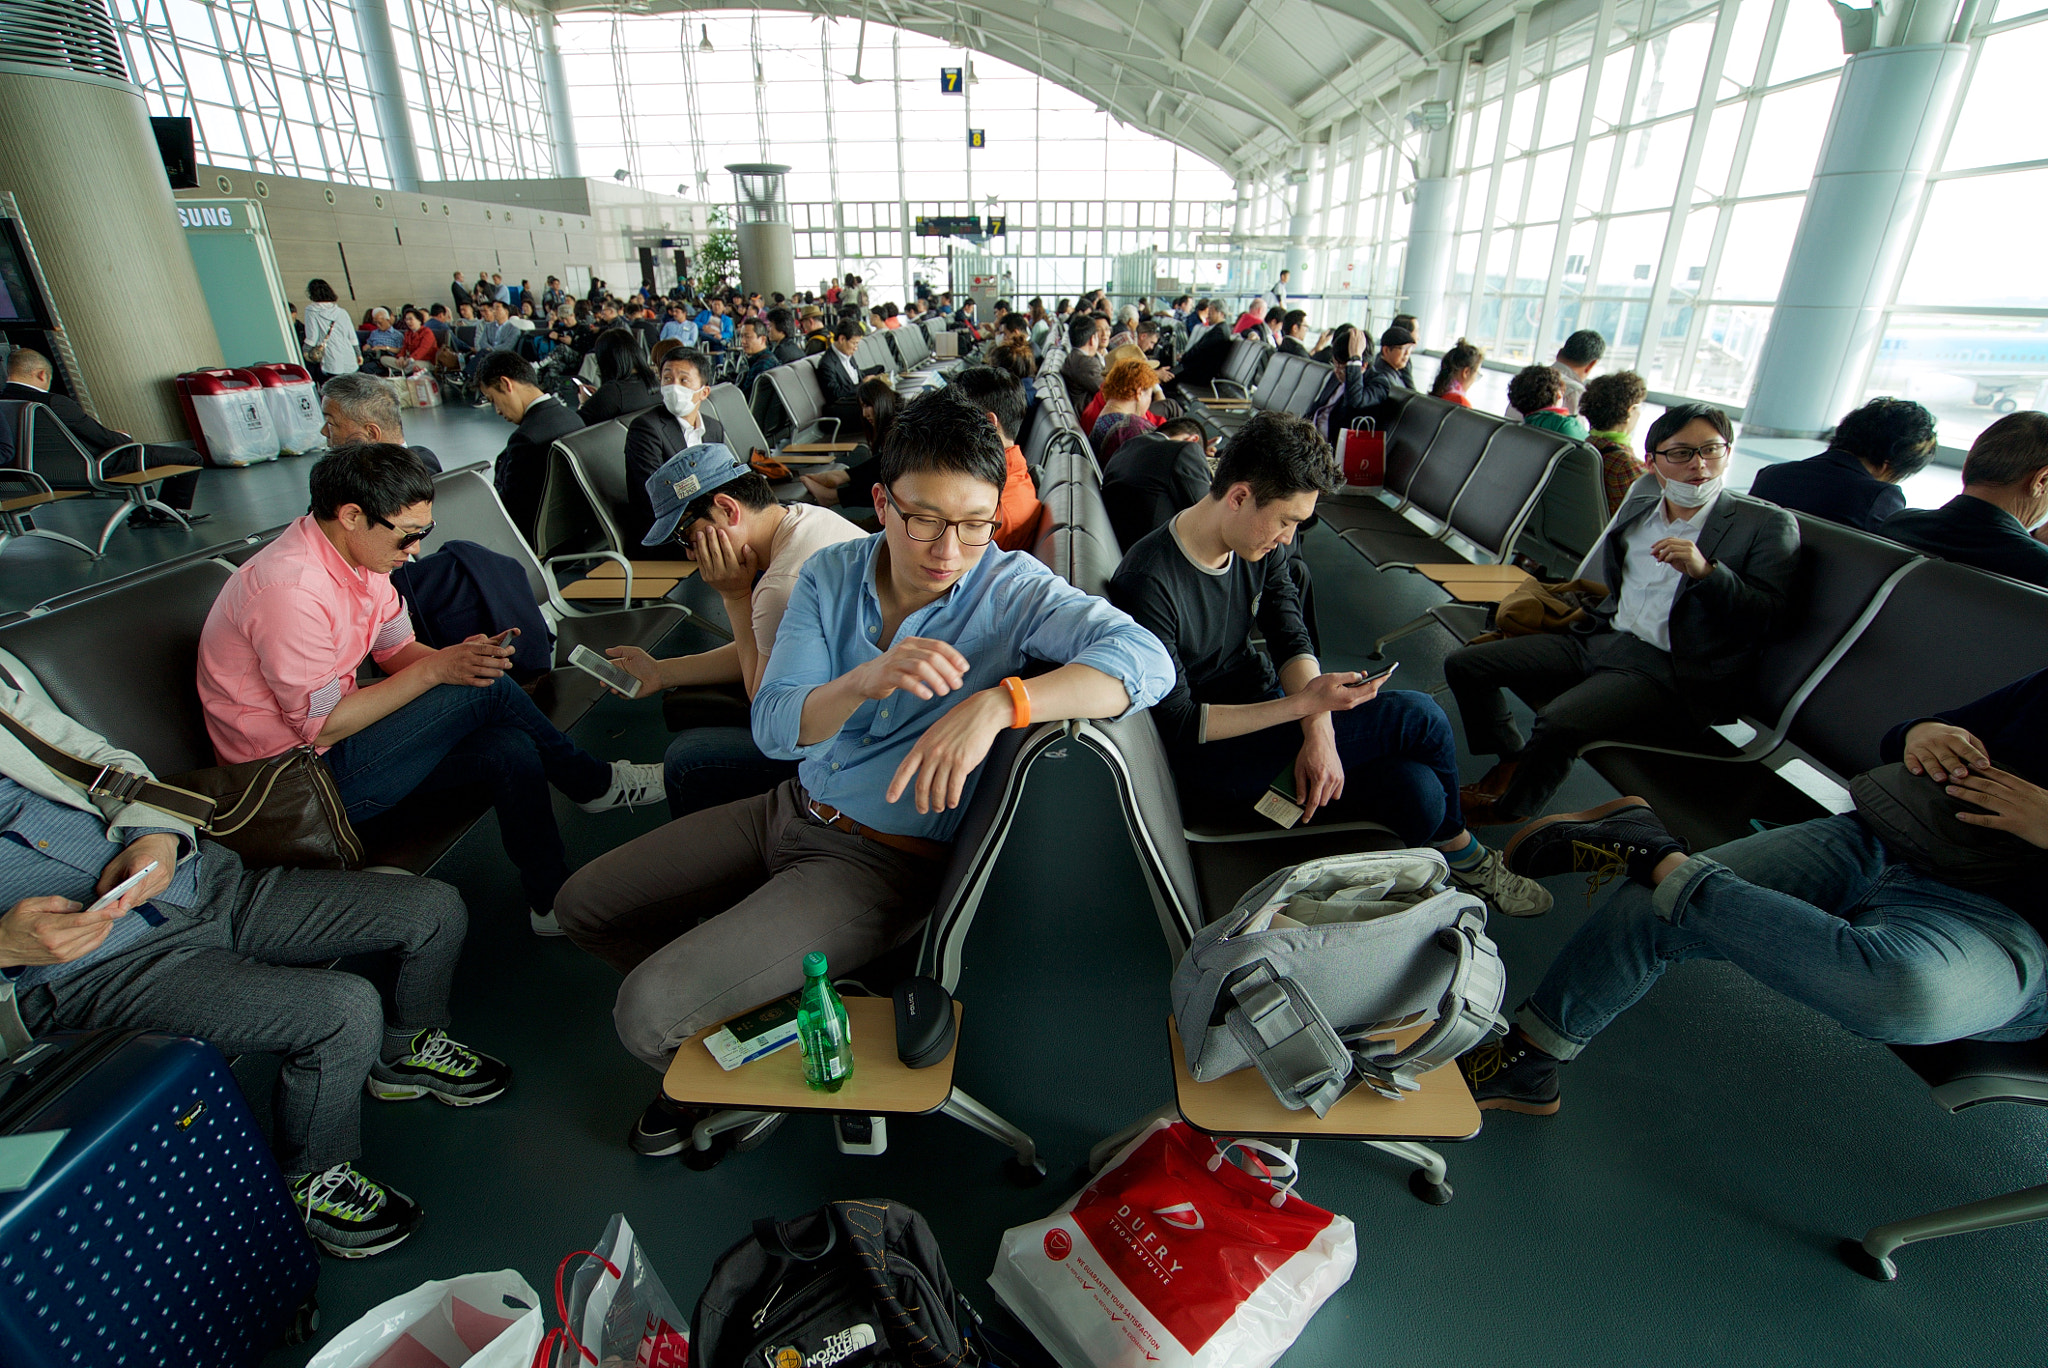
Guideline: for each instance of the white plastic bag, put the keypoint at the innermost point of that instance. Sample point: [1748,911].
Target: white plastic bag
[237,427]
[483,1320]
[295,414]
[1174,1256]
[616,1311]
[426,391]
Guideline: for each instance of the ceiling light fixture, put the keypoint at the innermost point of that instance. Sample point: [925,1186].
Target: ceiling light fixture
[705,44]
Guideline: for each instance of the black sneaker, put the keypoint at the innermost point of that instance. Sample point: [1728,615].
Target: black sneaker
[1511,1075]
[664,1127]
[1613,840]
[349,1215]
[439,1065]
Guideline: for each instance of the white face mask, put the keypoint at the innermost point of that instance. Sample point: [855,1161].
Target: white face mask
[681,400]
[1691,495]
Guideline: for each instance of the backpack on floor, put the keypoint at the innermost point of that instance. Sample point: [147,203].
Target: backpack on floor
[860,1283]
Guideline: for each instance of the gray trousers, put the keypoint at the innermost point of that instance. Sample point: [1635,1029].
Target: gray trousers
[1607,686]
[236,969]
[714,913]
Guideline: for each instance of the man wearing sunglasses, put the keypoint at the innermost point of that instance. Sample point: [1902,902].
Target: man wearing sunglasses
[279,654]
[1696,576]
[897,662]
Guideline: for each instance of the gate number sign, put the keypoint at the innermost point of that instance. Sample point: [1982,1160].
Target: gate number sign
[949,81]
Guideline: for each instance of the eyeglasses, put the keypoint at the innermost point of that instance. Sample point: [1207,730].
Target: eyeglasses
[405,539]
[925,527]
[1707,453]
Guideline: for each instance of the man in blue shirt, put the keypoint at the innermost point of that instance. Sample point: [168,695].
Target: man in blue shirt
[896,664]
[205,947]
[679,328]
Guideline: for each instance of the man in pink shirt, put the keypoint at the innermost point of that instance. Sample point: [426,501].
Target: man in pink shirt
[278,661]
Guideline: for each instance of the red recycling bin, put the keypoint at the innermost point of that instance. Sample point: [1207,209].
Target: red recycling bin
[228,416]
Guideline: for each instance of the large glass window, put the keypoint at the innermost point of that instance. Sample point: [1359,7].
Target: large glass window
[1076,187]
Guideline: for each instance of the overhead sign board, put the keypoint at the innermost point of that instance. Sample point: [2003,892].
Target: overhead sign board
[976,138]
[951,82]
[948,225]
[995,225]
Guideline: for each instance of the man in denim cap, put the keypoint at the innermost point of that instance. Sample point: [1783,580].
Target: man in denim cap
[748,548]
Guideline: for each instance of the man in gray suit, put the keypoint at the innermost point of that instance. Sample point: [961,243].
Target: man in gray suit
[203,946]
[1696,576]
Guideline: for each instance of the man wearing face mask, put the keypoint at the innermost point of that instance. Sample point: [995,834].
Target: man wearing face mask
[656,435]
[1696,576]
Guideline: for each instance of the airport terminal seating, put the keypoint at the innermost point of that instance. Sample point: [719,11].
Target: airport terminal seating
[790,407]
[46,449]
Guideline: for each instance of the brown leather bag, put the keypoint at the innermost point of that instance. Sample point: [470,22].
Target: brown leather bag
[1531,608]
[285,812]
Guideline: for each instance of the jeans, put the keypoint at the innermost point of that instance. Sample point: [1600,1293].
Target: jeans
[1821,914]
[1400,767]
[245,967]
[456,735]
[708,767]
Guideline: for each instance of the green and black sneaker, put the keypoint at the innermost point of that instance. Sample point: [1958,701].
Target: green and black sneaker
[1620,839]
[1510,1074]
[349,1215]
[439,1065]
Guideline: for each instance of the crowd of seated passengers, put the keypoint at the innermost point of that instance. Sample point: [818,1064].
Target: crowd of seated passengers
[839,836]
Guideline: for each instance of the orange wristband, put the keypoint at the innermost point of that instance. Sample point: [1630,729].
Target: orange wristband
[1020,702]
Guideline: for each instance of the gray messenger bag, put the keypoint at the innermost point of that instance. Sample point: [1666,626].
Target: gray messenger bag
[1315,966]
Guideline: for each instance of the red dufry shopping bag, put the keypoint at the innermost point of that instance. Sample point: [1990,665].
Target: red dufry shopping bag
[1174,1256]
[1362,448]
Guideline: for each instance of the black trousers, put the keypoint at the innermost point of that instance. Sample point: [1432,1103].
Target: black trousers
[1607,686]
[176,491]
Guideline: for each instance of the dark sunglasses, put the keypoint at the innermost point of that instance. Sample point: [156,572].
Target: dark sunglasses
[405,539]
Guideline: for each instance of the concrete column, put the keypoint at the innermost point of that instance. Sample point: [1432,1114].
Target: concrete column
[1298,220]
[387,93]
[561,129]
[1426,273]
[106,229]
[1890,110]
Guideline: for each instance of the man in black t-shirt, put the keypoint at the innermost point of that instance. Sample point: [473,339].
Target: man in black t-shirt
[1153,477]
[1200,582]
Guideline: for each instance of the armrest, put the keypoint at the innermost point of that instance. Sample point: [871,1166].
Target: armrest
[625,572]
[828,426]
[1243,395]
[808,448]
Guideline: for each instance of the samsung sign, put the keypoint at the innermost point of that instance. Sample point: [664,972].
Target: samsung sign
[206,217]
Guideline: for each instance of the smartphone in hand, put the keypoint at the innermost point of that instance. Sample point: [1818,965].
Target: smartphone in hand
[1378,678]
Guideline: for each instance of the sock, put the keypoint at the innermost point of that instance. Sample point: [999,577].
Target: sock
[397,1045]
[1468,856]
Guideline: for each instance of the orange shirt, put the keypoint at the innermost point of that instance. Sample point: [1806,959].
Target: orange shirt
[1018,509]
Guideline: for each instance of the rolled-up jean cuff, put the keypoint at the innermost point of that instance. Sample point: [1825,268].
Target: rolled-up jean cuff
[1669,898]
[1545,1036]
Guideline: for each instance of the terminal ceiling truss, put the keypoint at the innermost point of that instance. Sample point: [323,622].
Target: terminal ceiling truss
[1245,83]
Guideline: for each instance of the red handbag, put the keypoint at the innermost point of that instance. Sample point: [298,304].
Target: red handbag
[1362,451]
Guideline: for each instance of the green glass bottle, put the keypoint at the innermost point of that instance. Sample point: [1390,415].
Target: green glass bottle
[821,1025]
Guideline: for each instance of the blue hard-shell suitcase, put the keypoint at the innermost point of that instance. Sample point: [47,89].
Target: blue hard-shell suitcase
[159,1230]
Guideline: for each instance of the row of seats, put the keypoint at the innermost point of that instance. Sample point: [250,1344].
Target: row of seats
[789,405]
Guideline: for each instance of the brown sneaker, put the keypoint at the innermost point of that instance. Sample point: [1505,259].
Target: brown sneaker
[1493,784]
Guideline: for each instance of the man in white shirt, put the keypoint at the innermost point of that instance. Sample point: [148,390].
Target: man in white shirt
[749,549]
[839,379]
[1695,577]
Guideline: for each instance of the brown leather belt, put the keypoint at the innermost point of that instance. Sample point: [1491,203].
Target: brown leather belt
[827,815]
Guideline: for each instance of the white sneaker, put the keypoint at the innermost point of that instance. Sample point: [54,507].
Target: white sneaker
[632,786]
[1507,891]
[543,923]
